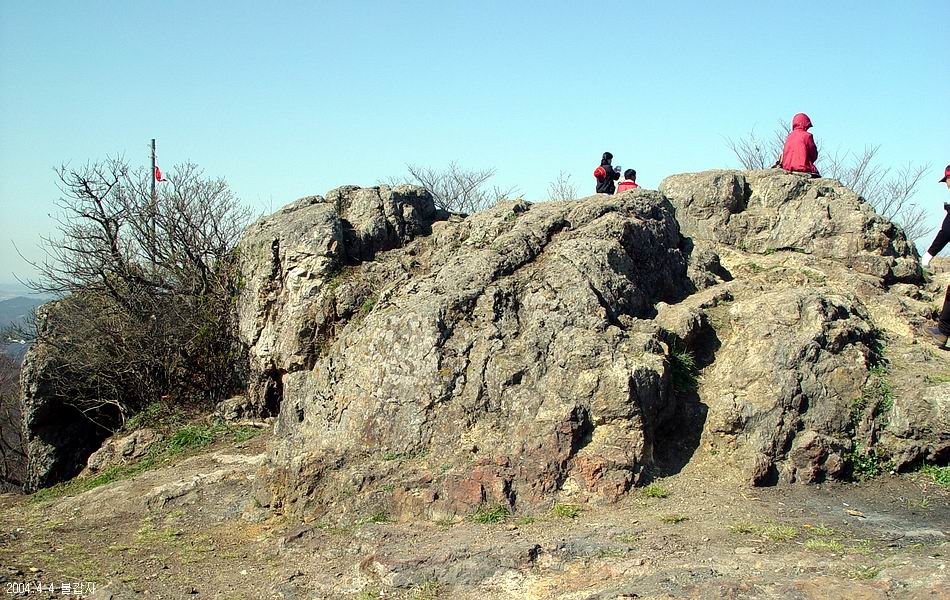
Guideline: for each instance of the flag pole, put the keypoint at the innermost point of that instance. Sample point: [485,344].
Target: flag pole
[154,209]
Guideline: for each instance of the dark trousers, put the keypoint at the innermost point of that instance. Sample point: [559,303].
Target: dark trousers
[944,323]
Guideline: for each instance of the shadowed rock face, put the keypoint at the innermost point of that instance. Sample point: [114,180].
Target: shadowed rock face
[511,358]
[58,436]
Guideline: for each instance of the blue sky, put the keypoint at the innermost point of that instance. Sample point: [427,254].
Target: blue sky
[287,99]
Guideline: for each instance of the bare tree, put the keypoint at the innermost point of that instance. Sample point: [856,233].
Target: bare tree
[562,188]
[889,191]
[146,287]
[754,152]
[456,189]
[12,451]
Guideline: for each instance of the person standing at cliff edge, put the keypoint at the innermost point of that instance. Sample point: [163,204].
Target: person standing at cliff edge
[800,152]
[606,175]
[939,333]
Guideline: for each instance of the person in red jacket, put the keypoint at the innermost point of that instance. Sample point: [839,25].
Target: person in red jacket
[629,181]
[800,151]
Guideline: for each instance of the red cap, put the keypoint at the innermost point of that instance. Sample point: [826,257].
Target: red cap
[946,173]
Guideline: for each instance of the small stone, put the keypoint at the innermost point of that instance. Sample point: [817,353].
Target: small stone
[746,550]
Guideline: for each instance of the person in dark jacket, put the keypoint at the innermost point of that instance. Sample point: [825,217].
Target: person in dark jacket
[606,175]
[629,181]
[940,333]
[800,152]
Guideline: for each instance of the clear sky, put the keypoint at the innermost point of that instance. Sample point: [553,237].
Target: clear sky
[287,99]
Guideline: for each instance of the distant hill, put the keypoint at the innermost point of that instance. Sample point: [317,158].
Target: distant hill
[16,311]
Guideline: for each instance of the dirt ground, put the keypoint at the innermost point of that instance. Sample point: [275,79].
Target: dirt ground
[192,530]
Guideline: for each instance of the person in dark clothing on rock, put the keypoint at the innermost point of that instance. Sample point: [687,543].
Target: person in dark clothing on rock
[940,333]
[629,181]
[606,174]
[800,152]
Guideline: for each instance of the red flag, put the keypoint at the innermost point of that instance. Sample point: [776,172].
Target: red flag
[158,174]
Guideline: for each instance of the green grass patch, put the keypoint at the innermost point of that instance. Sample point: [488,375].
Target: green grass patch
[743,528]
[390,455]
[154,415]
[937,378]
[339,276]
[654,491]
[566,511]
[194,437]
[773,532]
[673,519]
[683,370]
[940,475]
[824,544]
[368,304]
[490,514]
[187,438]
[866,572]
[376,517]
[867,463]
[429,590]
[780,533]
[821,531]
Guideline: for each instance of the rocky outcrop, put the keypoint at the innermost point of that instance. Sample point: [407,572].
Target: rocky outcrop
[510,359]
[540,351]
[293,262]
[817,363]
[119,451]
[58,436]
[761,212]
[424,363]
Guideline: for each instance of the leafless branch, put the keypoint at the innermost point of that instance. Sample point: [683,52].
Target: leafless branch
[562,188]
[459,190]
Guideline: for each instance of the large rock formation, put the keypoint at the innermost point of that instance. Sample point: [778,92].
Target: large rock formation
[293,262]
[817,360]
[528,352]
[501,359]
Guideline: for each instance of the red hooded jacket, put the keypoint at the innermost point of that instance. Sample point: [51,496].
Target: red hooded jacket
[800,152]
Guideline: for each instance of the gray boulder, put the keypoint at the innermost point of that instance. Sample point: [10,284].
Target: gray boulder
[511,360]
[121,451]
[770,210]
[293,261]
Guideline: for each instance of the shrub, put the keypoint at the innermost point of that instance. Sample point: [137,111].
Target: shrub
[146,287]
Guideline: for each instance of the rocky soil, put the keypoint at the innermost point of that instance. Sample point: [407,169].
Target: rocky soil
[191,531]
